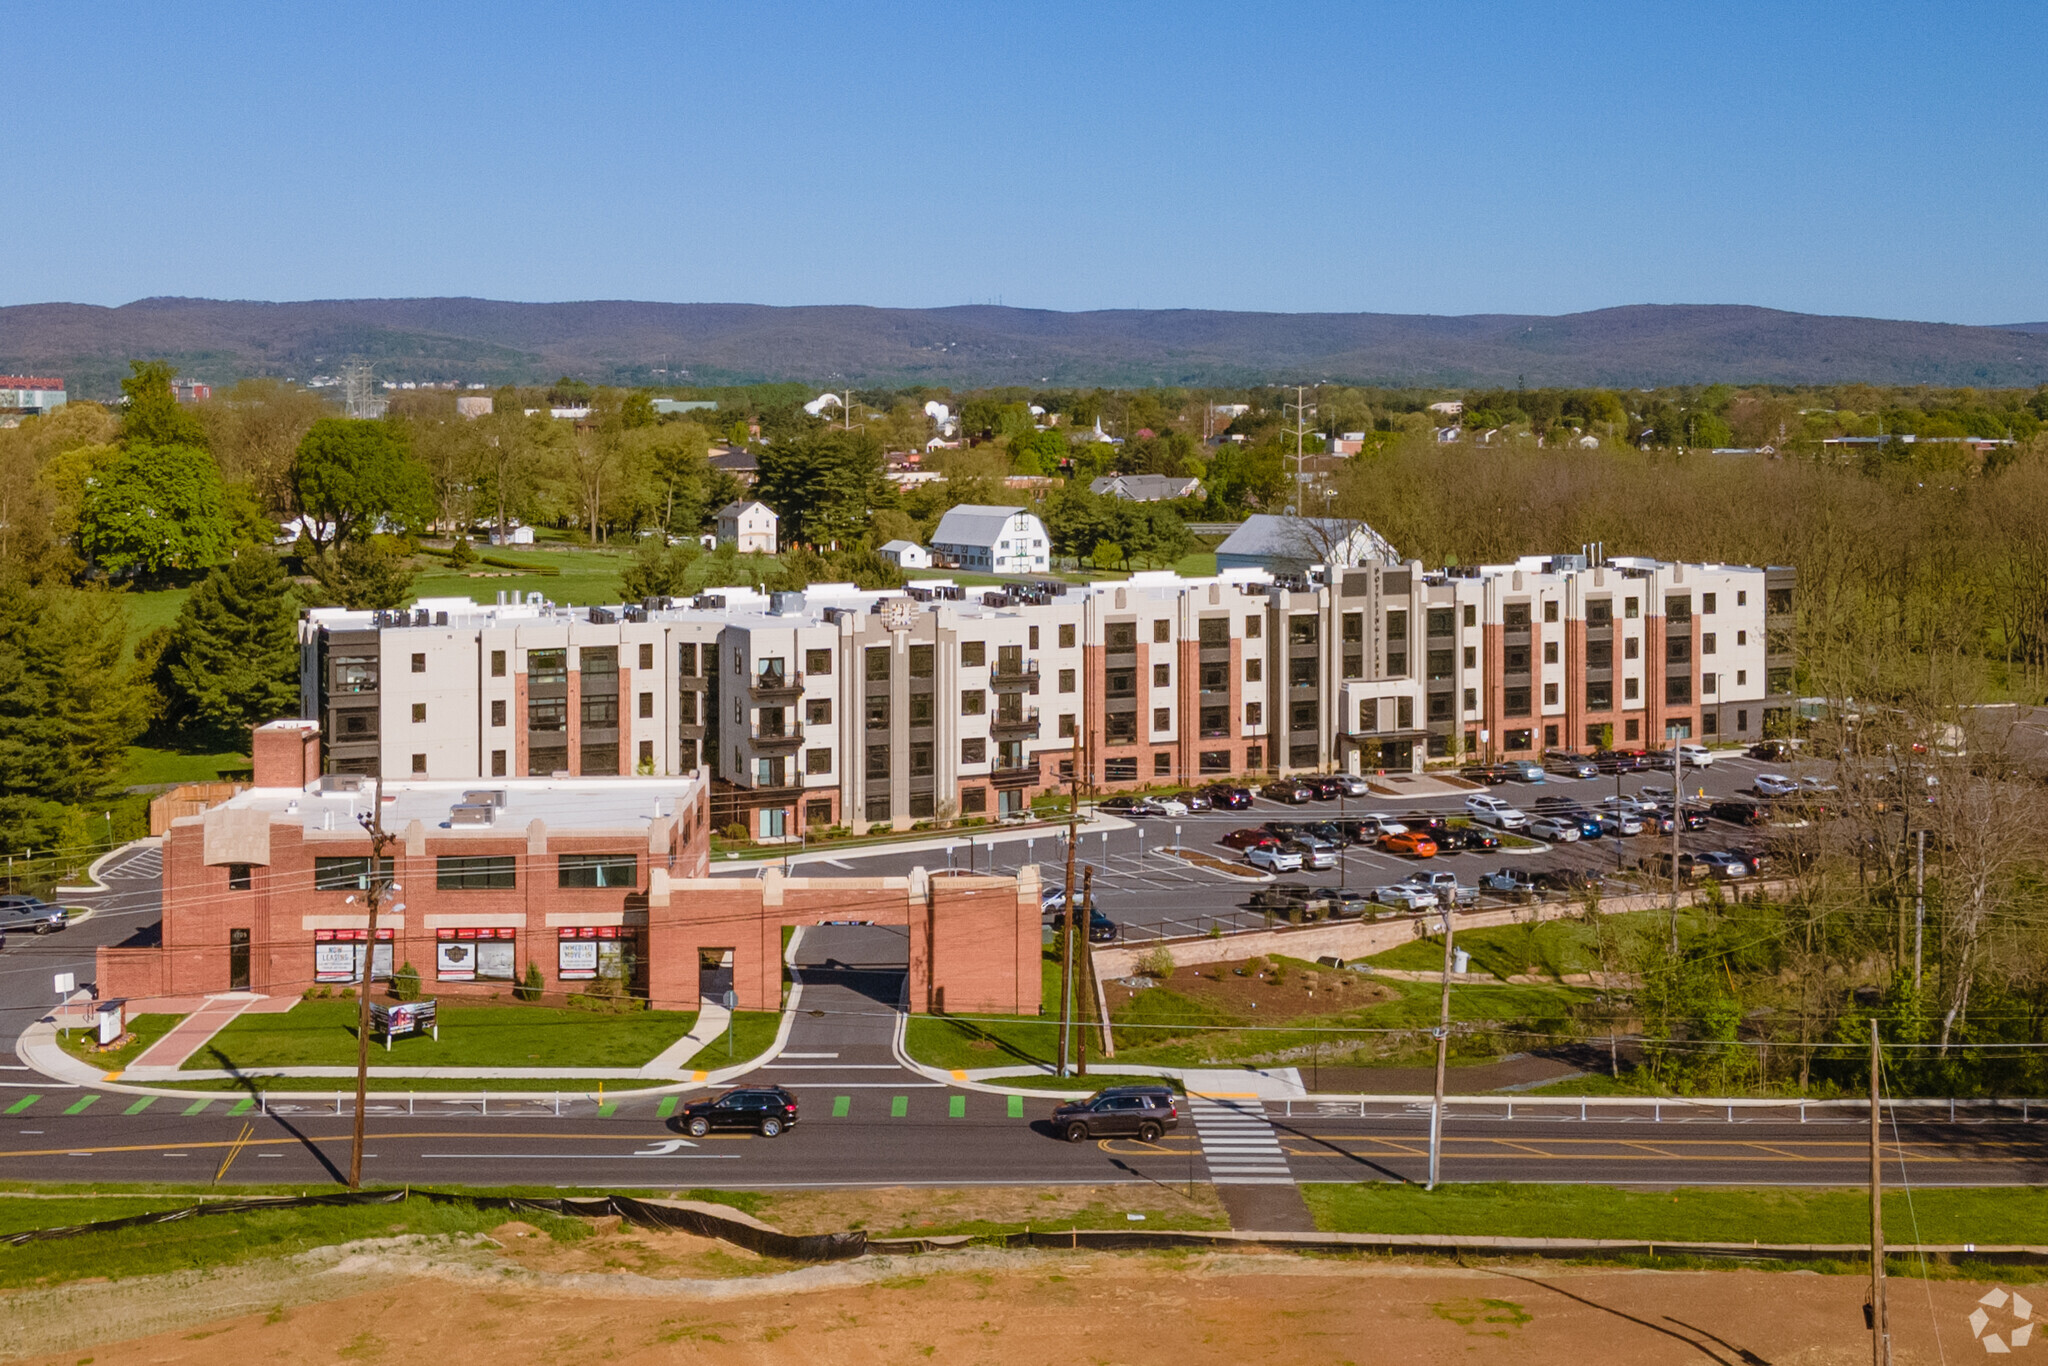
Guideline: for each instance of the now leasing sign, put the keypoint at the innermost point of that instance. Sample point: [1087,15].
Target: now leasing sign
[407,1017]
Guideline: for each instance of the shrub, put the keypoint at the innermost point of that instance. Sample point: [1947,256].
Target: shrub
[1215,931]
[460,554]
[1158,963]
[405,983]
[735,832]
[531,988]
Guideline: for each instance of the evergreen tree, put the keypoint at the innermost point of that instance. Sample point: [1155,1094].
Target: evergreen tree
[232,661]
[365,575]
[69,705]
[153,416]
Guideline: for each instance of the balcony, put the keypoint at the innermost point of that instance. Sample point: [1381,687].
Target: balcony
[776,687]
[777,741]
[1023,775]
[1003,676]
[1014,724]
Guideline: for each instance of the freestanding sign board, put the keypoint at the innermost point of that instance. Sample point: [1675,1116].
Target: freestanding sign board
[111,1017]
[406,1017]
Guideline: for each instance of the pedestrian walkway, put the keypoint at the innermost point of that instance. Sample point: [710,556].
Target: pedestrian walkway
[189,1035]
[1238,1142]
[711,1018]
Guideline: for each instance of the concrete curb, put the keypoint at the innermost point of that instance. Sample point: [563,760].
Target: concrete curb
[93,886]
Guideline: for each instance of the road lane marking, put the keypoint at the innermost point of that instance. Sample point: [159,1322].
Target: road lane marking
[22,1104]
[807,1055]
[956,1107]
[608,1109]
[243,1106]
[1016,1107]
[899,1106]
[139,1106]
[666,1108]
[841,1106]
[198,1107]
[573,1157]
[79,1107]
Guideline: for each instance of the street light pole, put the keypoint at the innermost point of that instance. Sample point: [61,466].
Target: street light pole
[1443,1045]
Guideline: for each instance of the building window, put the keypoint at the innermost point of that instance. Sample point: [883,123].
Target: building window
[1550,694]
[1515,702]
[973,800]
[1066,726]
[1599,696]
[878,664]
[920,709]
[1742,717]
[1439,666]
[1369,714]
[1032,638]
[647,704]
[646,656]
[1515,616]
[419,664]
[1710,724]
[1301,629]
[922,660]
[973,702]
[497,663]
[491,873]
[602,660]
[1632,648]
[1519,740]
[1629,609]
[1404,713]
[817,761]
[596,870]
[1254,670]
[1550,609]
[974,751]
[1254,714]
[1678,690]
[1515,659]
[1254,758]
[1162,765]
[348,874]
[817,813]
[1120,770]
[1120,728]
[1471,699]
[1629,688]
[1632,729]
[818,662]
[600,710]
[1600,612]
[497,712]
[1471,615]
[1742,678]
[547,666]
[1215,722]
[1120,635]
[546,760]
[686,661]
[1471,656]
[878,712]
[497,763]
[1706,604]
[239,878]
[1599,654]
[1550,737]
[1707,643]
[1213,631]
[1439,746]
[921,759]
[877,808]
[1439,706]
[1678,607]
[1162,632]
[878,761]
[419,763]
[1215,677]
[1162,675]
[1162,718]
[600,760]
[1302,717]
[1121,682]
[1067,635]
[1550,652]
[1214,761]
[1440,621]
[1742,600]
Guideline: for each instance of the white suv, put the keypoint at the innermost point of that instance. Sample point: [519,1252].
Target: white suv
[1273,859]
[1495,812]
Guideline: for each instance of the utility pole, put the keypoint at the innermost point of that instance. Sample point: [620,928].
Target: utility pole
[1919,899]
[1677,825]
[1443,1047]
[1302,409]
[380,840]
[1085,984]
[1067,938]
[1875,1312]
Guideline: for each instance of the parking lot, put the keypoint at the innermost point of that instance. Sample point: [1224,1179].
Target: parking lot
[1150,895]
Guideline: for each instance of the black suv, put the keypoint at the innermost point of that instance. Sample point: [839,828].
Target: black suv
[767,1109]
[1228,796]
[1142,1112]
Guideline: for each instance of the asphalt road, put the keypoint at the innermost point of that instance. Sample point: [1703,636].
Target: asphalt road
[1150,896]
[131,905]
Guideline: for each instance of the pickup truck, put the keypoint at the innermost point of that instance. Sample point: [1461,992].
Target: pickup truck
[1446,888]
[1510,881]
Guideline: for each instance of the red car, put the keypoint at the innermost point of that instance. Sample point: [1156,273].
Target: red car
[1247,839]
[1409,842]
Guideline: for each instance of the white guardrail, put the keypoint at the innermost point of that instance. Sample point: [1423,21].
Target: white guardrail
[1657,1109]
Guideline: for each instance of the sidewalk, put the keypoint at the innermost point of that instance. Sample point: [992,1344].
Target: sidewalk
[190,1034]
[711,1018]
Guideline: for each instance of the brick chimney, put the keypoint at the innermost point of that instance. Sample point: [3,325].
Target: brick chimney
[286,753]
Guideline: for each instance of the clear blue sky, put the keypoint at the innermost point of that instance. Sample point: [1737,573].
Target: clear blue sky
[1869,158]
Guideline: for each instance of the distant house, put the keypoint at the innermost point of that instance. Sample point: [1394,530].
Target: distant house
[1289,545]
[737,461]
[1146,488]
[1452,408]
[994,540]
[473,405]
[1351,443]
[512,535]
[749,526]
[1448,435]
[906,554]
[665,406]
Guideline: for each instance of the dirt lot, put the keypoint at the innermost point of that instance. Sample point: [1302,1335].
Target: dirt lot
[653,1297]
[1247,989]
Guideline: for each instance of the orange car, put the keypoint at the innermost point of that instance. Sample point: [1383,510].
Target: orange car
[1409,842]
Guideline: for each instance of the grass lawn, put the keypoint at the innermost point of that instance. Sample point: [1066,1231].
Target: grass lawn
[323,1034]
[966,1041]
[752,1032]
[1094,1081]
[147,611]
[226,1239]
[145,1029]
[1720,1214]
[154,767]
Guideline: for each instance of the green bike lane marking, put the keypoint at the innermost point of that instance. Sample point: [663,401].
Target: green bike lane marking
[841,1106]
[899,1106]
[1016,1107]
[243,1106]
[79,1107]
[139,1106]
[198,1106]
[666,1108]
[22,1104]
[956,1107]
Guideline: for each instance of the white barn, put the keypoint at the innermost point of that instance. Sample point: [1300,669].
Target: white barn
[906,555]
[993,540]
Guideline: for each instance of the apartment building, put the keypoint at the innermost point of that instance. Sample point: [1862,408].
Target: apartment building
[842,706]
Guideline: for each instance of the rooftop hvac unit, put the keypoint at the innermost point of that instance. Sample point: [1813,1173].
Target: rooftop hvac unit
[708,602]
[490,796]
[636,614]
[602,616]
[440,618]
[786,604]
[344,782]
[995,599]
[464,814]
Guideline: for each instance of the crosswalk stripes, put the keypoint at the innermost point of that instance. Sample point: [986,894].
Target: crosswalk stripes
[1238,1143]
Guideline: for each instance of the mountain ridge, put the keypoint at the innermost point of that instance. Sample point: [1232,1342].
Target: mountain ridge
[631,341]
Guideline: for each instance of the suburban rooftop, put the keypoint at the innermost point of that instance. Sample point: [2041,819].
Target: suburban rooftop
[334,802]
